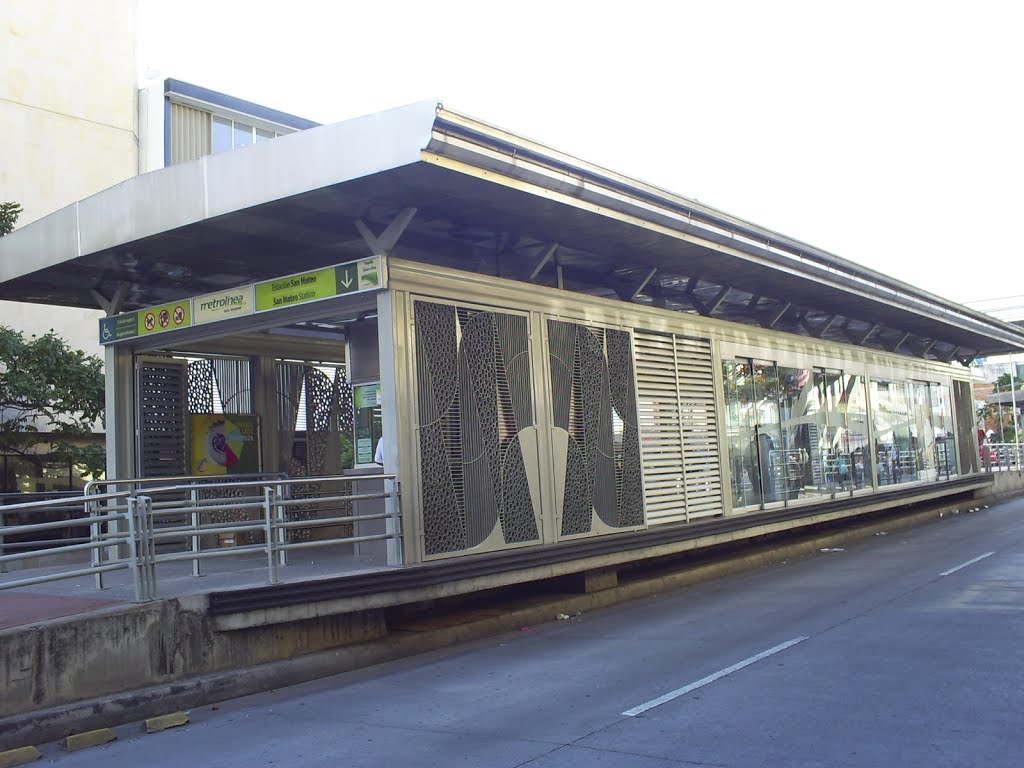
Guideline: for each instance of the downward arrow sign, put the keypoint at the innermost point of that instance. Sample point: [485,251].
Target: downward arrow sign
[346,278]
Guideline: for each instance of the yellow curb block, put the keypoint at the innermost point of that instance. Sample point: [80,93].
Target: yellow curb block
[89,739]
[19,756]
[163,722]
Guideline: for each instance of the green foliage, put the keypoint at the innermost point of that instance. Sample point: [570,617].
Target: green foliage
[50,393]
[9,213]
[347,449]
[1003,383]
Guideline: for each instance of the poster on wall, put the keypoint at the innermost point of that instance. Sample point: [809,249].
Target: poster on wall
[224,444]
[366,406]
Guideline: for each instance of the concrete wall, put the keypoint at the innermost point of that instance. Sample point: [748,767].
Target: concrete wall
[125,648]
[68,110]
[1006,485]
[67,101]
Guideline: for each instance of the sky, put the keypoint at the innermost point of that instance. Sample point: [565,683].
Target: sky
[888,133]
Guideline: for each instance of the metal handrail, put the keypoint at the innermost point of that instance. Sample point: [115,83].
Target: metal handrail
[178,479]
[126,525]
[1002,457]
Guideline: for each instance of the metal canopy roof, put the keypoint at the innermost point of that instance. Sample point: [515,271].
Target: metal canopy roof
[485,201]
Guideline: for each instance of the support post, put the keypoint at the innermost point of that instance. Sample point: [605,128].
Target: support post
[268,523]
[196,538]
[386,335]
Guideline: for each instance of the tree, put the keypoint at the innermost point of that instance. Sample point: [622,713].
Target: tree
[9,213]
[53,395]
[1003,383]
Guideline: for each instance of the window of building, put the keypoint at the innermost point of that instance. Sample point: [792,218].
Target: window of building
[222,135]
[233,134]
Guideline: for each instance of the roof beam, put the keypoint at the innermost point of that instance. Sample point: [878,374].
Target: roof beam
[821,329]
[859,339]
[542,262]
[712,306]
[925,348]
[383,243]
[111,306]
[643,283]
[774,319]
[634,288]
[899,342]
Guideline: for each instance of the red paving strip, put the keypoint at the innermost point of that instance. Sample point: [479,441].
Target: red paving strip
[17,609]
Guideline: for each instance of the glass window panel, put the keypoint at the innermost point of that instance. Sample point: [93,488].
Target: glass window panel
[894,459]
[905,444]
[765,454]
[942,420]
[243,135]
[885,434]
[922,439]
[262,135]
[856,408]
[796,388]
[221,139]
[739,425]
[834,437]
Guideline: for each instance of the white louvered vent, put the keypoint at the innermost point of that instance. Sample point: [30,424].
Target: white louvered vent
[678,427]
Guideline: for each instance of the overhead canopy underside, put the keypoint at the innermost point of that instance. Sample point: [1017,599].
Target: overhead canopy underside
[485,201]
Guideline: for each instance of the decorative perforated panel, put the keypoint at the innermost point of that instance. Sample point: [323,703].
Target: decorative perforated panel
[594,401]
[314,407]
[219,385]
[474,401]
[679,427]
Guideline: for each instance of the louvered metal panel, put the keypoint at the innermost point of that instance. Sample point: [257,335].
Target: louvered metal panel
[162,399]
[190,133]
[678,428]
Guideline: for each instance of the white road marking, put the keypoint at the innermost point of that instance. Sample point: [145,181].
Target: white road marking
[639,710]
[969,562]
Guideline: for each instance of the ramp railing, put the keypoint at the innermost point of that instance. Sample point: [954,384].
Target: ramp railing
[1002,457]
[146,525]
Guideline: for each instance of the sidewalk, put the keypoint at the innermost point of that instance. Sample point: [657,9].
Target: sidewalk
[18,608]
[76,595]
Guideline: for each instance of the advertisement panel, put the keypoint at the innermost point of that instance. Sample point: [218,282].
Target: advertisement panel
[224,444]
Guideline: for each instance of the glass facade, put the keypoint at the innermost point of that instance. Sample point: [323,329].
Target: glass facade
[803,433]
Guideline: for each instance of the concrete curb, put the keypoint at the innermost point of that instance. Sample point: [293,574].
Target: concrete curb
[55,723]
[20,756]
[163,722]
[88,739]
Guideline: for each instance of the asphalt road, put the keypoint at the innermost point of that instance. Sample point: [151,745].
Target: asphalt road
[896,651]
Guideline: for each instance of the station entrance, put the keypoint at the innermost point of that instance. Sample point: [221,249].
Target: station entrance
[243,397]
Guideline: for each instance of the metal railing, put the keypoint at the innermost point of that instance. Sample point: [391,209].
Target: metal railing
[1002,457]
[141,524]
